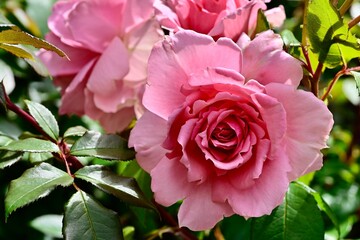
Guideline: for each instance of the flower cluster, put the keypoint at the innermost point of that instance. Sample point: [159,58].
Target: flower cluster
[222,126]
[108,43]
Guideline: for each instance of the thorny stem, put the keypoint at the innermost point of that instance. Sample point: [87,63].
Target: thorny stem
[353,22]
[69,161]
[315,76]
[343,71]
[185,233]
[316,79]
[345,6]
[27,117]
[307,59]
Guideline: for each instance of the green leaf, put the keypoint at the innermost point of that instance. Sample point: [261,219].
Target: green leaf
[289,39]
[357,80]
[44,118]
[50,225]
[7,158]
[297,218]
[106,146]
[323,206]
[16,50]
[262,24]
[34,183]
[35,158]
[76,131]
[85,218]
[329,36]
[15,36]
[123,188]
[31,145]
[129,232]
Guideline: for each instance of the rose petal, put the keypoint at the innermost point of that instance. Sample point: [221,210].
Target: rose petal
[108,70]
[135,12]
[276,16]
[176,56]
[89,17]
[169,182]
[140,41]
[73,98]
[146,137]
[61,66]
[235,23]
[306,115]
[199,212]
[265,61]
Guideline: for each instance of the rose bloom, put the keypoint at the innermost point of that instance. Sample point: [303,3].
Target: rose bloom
[108,43]
[217,18]
[225,128]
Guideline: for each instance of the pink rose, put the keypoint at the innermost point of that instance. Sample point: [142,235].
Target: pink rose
[217,18]
[108,43]
[225,128]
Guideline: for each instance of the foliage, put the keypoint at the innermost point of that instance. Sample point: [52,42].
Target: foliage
[92,189]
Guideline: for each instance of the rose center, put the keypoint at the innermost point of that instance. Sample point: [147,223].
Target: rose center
[223,133]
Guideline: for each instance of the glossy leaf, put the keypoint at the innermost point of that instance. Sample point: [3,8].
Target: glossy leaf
[44,118]
[39,157]
[33,184]
[15,36]
[262,24]
[323,206]
[85,218]
[7,158]
[50,225]
[106,146]
[77,131]
[297,218]
[16,50]
[329,36]
[357,80]
[129,233]
[123,188]
[289,39]
[31,145]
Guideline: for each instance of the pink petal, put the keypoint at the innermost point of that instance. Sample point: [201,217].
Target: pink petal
[166,16]
[308,126]
[112,122]
[274,115]
[198,51]
[263,195]
[146,137]
[243,20]
[73,98]
[213,76]
[111,67]
[61,66]
[118,121]
[198,211]
[141,41]
[276,16]
[181,56]
[162,94]
[136,12]
[265,61]
[169,182]
[57,22]
[88,18]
